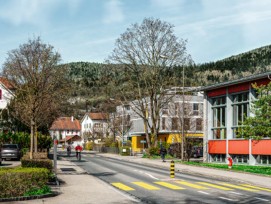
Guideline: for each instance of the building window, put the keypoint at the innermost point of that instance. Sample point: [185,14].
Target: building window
[263,159]
[219,117]
[177,108]
[199,124]
[218,157]
[174,124]
[186,123]
[195,109]
[163,123]
[165,112]
[68,131]
[240,103]
[240,159]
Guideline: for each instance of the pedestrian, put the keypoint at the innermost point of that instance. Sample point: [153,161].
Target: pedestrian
[163,153]
[69,149]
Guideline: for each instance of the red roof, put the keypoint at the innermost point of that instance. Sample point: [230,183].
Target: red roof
[6,83]
[98,116]
[71,138]
[66,123]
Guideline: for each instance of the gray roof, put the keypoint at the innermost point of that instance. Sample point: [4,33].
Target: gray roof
[237,81]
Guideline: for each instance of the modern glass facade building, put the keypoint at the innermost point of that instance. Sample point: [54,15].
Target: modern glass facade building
[225,107]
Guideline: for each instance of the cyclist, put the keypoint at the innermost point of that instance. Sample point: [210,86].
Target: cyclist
[78,150]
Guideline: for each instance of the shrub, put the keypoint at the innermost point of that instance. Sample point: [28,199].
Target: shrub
[89,146]
[154,151]
[37,163]
[17,181]
[125,151]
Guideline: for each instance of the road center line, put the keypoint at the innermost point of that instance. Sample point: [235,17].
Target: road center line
[226,198]
[203,192]
[262,199]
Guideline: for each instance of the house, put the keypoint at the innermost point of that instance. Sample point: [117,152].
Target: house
[94,126]
[225,107]
[6,92]
[189,108]
[66,130]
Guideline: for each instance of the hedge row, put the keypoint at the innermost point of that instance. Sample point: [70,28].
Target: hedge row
[15,182]
[38,163]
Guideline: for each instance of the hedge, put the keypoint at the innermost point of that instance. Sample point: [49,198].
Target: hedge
[17,181]
[37,163]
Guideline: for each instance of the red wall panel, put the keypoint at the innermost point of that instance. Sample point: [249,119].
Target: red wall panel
[262,81]
[217,92]
[217,146]
[238,146]
[261,147]
[238,88]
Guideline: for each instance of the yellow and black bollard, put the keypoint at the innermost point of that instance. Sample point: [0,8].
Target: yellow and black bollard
[172,169]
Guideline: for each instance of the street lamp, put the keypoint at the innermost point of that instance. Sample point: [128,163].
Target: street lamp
[122,121]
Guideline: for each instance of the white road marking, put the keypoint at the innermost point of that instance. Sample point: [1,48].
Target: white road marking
[236,193]
[262,199]
[203,192]
[226,198]
[147,174]
[152,176]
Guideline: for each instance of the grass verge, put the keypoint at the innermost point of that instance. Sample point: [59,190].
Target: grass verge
[263,170]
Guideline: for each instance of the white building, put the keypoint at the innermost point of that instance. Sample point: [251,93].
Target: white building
[94,126]
[66,130]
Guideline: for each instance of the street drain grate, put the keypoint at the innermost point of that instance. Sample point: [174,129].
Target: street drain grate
[67,169]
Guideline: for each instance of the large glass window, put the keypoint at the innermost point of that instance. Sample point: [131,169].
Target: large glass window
[219,118]
[240,103]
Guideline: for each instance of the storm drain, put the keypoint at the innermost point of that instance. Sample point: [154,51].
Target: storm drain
[67,169]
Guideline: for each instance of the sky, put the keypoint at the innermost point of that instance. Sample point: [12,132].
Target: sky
[86,30]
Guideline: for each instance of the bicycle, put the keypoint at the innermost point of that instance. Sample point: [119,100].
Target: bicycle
[78,155]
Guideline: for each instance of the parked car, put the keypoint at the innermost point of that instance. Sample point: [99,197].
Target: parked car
[10,151]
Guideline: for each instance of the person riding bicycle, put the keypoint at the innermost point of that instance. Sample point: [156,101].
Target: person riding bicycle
[78,150]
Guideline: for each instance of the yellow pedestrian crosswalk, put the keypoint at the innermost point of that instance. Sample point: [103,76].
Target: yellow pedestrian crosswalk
[187,185]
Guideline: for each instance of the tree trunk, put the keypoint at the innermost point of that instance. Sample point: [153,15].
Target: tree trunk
[31,138]
[36,138]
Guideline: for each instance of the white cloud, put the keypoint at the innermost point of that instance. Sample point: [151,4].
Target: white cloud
[113,12]
[173,5]
[35,12]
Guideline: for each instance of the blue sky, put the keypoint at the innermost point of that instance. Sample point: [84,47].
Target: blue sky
[86,30]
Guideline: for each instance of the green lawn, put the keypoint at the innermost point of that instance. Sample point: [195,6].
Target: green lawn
[265,170]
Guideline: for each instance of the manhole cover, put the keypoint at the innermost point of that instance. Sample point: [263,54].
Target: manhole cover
[67,169]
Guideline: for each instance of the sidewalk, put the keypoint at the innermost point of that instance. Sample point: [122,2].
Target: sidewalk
[77,187]
[227,175]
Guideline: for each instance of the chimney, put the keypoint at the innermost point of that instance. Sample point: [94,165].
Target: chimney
[72,118]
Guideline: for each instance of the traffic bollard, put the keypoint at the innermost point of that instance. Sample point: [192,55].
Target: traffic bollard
[172,169]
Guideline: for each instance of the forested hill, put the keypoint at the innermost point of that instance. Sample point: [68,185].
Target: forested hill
[91,80]
[244,64]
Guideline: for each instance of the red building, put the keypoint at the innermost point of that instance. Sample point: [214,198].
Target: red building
[225,107]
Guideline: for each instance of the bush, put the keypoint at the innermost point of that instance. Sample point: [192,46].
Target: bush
[37,163]
[125,151]
[154,151]
[89,146]
[17,181]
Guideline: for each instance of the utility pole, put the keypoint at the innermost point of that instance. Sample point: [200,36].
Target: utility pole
[183,120]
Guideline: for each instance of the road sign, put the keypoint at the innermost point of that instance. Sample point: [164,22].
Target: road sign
[143,141]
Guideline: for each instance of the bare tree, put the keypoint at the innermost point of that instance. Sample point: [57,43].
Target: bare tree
[40,84]
[148,52]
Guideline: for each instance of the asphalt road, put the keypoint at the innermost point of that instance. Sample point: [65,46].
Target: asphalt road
[154,185]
